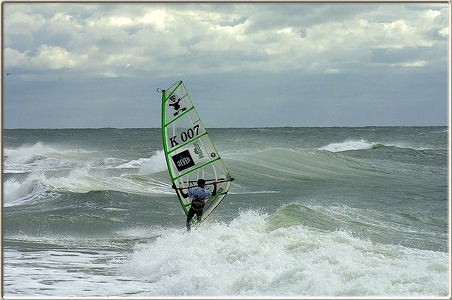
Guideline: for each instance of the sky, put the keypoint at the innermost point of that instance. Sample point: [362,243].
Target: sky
[97,65]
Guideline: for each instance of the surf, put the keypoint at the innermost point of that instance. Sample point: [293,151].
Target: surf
[253,256]
[30,177]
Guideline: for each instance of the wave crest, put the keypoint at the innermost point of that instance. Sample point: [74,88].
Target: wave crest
[348,145]
[355,145]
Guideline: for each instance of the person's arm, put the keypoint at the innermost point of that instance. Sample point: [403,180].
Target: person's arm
[214,188]
[181,192]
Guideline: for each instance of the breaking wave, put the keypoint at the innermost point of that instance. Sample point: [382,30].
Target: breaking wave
[353,145]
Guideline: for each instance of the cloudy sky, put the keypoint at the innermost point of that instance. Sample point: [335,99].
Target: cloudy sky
[72,65]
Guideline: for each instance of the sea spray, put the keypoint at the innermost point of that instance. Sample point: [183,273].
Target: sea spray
[244,258]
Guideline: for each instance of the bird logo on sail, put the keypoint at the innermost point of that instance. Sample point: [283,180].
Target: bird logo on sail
[175,104]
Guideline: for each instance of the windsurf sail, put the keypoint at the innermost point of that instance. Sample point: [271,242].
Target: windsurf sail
[189,151]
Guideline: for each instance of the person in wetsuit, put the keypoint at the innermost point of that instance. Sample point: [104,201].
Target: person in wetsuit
[198,195]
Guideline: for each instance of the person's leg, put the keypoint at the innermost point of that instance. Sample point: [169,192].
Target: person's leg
[198,216]
[190,216]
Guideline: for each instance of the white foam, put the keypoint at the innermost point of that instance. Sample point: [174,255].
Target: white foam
[63,273]
[13,191]
[245,259]
[26,154]
[31,189]
[365,145]
[348,145]
[41,157]
[155,163]
[78,180]
[80,174]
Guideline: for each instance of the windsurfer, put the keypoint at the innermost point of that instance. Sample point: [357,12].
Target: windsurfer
[198,195]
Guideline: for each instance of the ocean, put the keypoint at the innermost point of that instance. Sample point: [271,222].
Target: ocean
[313,212]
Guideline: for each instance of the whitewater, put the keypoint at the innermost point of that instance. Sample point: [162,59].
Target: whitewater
[313,212]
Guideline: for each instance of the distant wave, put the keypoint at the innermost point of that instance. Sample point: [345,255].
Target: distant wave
[42,157]
[28,154]
[445,130]
[348,145]
[354,145]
